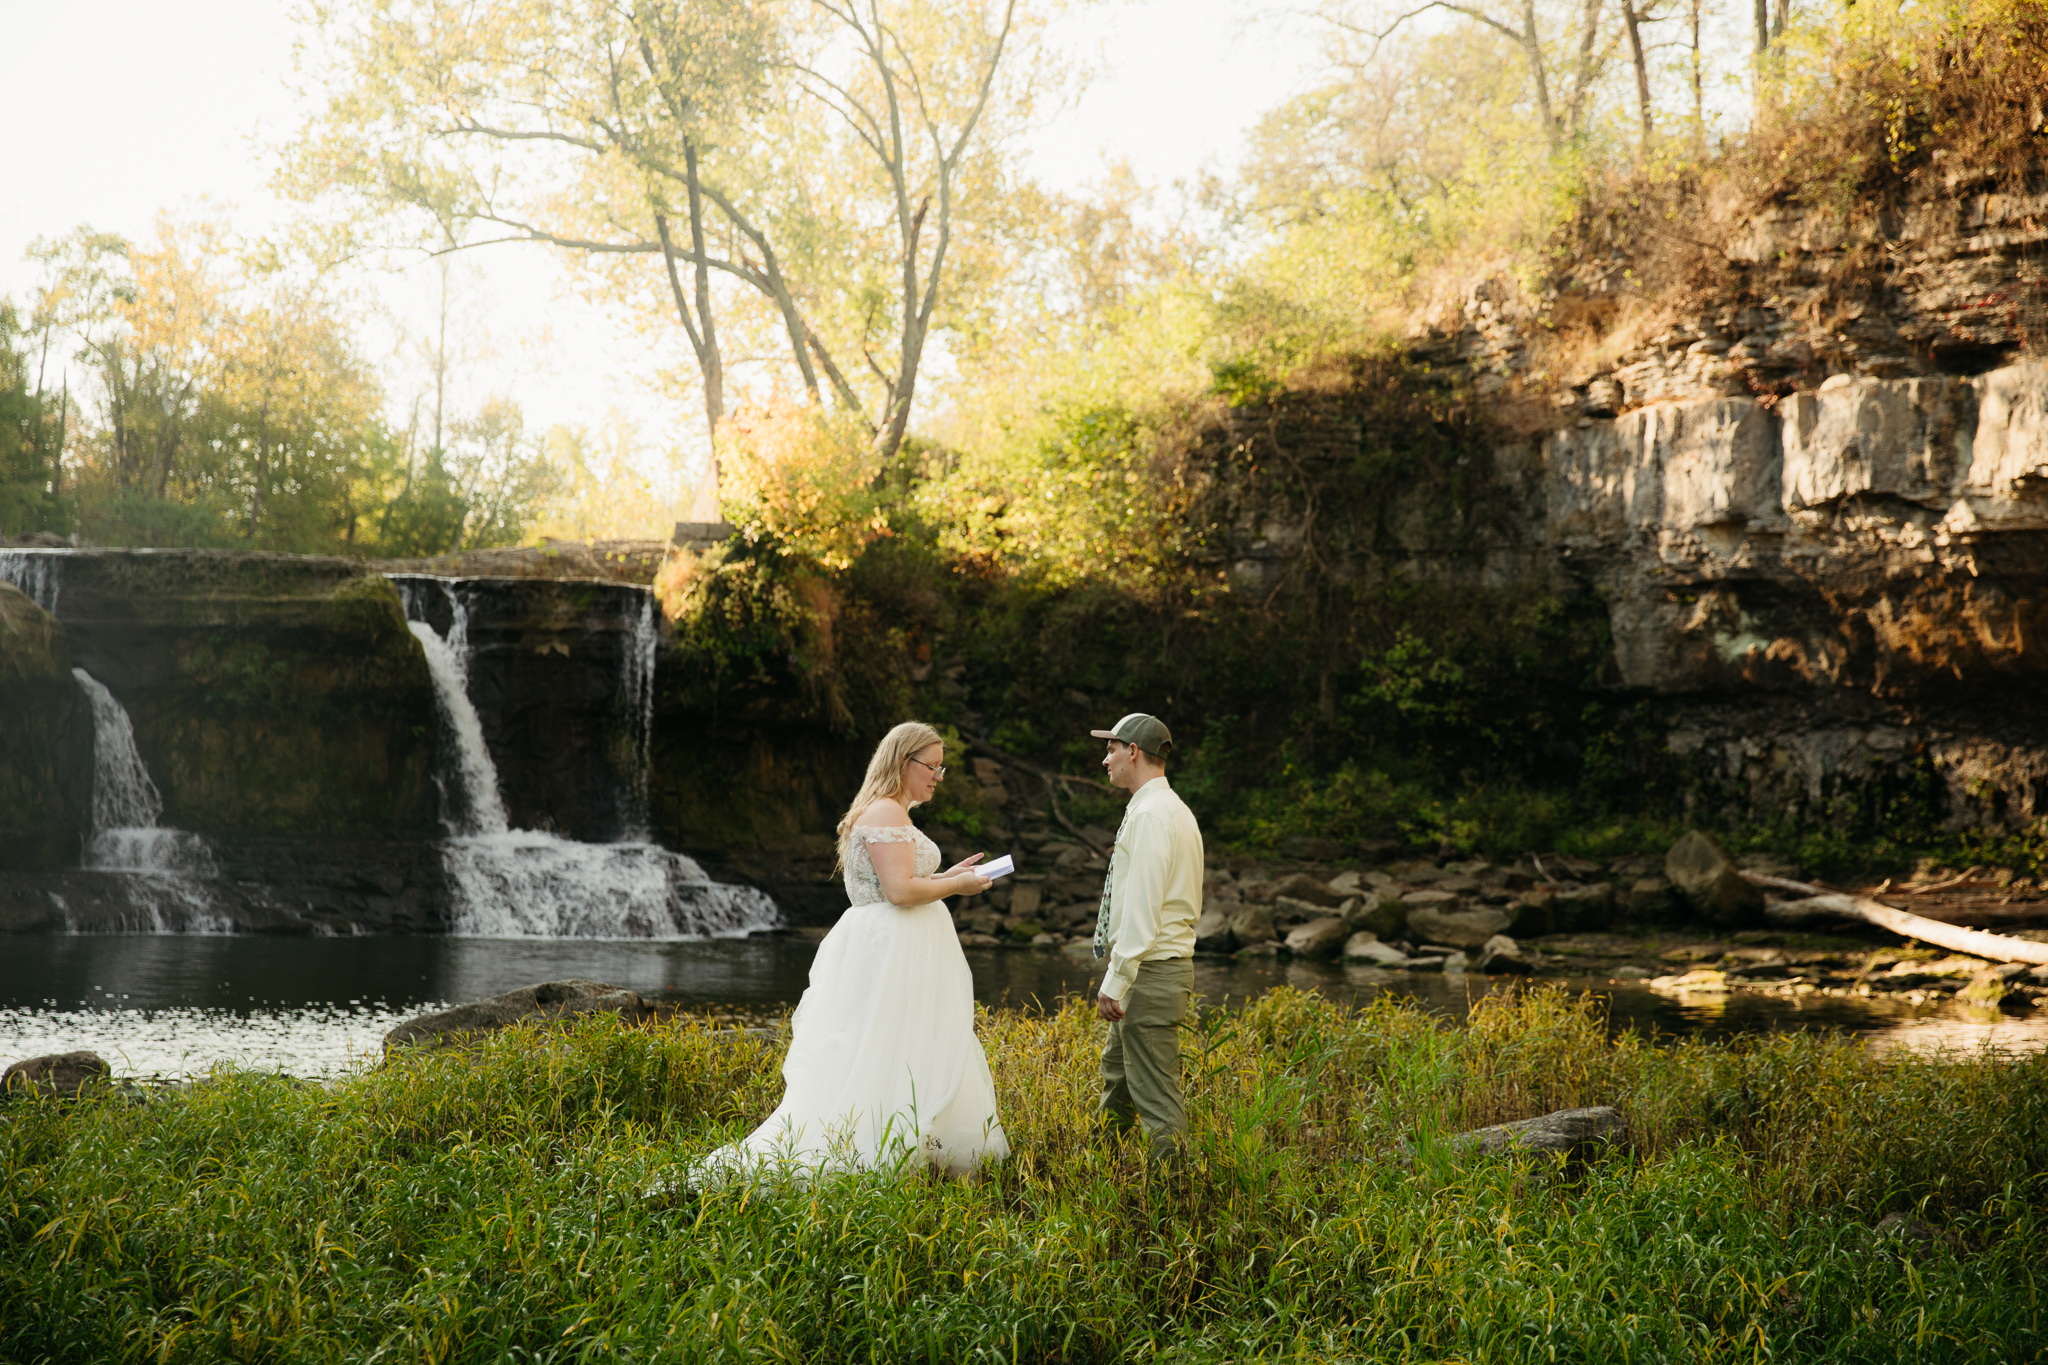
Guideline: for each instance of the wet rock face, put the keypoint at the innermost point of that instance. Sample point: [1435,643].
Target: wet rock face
[549,673]
[44,737]
[270,694]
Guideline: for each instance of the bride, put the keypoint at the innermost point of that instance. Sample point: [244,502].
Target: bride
[884,1069]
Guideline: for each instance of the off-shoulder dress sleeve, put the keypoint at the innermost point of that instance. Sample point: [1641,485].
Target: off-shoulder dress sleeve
[886,834]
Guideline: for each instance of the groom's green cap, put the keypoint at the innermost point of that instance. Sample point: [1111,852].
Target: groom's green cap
[1147,732]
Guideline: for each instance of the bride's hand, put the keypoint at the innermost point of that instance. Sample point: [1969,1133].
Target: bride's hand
[965,863]
[970,882]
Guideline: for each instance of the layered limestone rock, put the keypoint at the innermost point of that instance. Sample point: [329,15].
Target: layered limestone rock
[1844,592]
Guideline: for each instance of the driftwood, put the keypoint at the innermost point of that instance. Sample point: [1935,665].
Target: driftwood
[1822,903]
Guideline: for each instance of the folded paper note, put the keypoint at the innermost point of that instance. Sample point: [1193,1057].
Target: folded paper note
[1001,867]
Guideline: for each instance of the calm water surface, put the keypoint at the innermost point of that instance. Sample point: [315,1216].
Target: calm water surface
[179,1005]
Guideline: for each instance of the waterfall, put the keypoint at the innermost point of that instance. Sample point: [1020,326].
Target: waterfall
[39,573]
[509,883]
[164,867]
[470,804]
[636,695]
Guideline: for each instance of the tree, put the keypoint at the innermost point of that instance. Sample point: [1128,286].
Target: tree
[225,409]
[806,163]
[1564,103]
[506,478]
[31,439]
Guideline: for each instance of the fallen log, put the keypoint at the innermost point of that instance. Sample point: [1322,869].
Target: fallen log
[1819,902]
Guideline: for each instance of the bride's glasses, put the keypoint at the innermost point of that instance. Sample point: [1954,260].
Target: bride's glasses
[938,771]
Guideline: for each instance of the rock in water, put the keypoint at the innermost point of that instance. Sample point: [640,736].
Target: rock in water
[1302,887]
[549,1002]
[1988,988]
[1379,912]
[1650,900]
[1582,909]
[1363,947]
[1501,956]
[1252,924]
[1318,938]
[1458,928]
[1212,933]
[1289,911]
[58,1074]
[1712,885]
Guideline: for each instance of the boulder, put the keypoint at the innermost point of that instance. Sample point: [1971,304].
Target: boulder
[1458,928]
[1456,964]
[1378,912]
[548,1003]
[979,940]
[1022,930]
[1346,883]
[979,920]
[1651,900]
[1567,1130]
[1534,912]
[1582,909]
[1699,981]
[1320,938]
[61,1075]
[1263,948]
[1289,911]
[1252,924]
[1501,956]
[1026,897]
[1990,988]
[1363,947]
[1711,883]
[1212,933]
[1430,900]
[1301,886]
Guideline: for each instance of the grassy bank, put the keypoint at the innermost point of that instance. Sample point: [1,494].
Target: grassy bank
[484,1207]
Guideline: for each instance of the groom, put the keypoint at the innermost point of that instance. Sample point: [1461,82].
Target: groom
[1146,928]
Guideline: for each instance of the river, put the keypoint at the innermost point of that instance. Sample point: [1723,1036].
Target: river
[178,1005]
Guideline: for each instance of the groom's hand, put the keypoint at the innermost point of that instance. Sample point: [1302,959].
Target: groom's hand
[1109,1009]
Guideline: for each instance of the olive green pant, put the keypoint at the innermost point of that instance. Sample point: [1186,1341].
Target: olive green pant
[1141,1062]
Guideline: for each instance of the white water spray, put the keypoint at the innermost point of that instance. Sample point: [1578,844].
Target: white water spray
[508,883]
[39,573]
[636,694]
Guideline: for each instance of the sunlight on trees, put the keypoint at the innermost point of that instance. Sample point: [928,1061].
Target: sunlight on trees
[793,182]
[885,319]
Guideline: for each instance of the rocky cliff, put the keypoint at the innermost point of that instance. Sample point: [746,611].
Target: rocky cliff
[1809,493]
[44,739]
[270,694]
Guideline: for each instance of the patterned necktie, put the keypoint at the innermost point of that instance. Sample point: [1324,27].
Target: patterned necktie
[1102,913]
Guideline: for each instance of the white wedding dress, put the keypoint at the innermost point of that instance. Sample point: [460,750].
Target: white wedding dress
[884,1070]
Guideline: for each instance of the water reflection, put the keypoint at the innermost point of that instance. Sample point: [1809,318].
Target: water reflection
[173,1003]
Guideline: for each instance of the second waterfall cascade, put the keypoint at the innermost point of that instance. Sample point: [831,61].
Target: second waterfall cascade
[165,869]
[510,883]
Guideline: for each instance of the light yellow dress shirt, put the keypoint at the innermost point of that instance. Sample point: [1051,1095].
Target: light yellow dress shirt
[1155,885]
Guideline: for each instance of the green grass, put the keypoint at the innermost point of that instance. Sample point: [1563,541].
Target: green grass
[484,1207]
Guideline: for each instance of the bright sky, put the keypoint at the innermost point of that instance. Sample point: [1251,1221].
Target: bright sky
[120,108]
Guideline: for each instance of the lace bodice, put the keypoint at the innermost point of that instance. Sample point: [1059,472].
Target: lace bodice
[863,887]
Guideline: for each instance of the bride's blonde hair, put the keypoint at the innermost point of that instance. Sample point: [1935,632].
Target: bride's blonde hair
[885,778]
